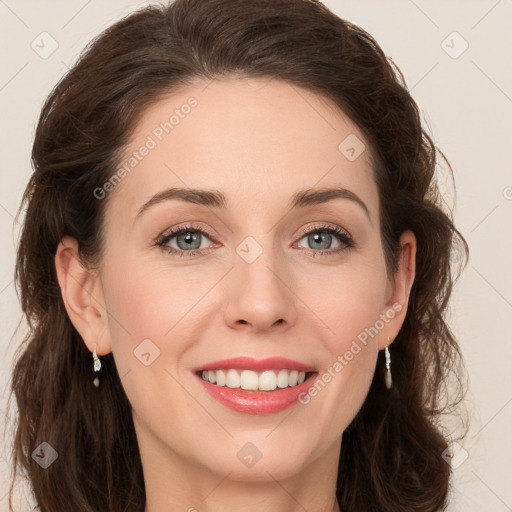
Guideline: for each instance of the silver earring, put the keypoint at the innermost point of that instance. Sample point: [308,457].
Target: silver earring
[387,376]
[97,368]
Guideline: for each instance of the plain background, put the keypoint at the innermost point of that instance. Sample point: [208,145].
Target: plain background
[466,96]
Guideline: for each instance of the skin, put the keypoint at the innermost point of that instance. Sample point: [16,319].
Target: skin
[259,142]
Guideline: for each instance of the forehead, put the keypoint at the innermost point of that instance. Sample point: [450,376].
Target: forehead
[258,140]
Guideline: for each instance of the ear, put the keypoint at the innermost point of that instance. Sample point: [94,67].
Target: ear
[83,296]
[398,290]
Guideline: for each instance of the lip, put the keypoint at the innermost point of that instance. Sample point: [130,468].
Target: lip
[257,402]
[257,365]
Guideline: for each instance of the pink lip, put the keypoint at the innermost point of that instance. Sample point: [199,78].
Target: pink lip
[257,402]
[257,365]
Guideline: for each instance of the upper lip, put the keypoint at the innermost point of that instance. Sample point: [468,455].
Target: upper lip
[248,363]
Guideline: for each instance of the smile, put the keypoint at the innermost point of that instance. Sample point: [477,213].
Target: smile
[256,386]
[249,380]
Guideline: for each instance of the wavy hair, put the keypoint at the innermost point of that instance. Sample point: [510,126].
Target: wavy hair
[393,453]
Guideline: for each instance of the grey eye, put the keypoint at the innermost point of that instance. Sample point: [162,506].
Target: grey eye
[187,240]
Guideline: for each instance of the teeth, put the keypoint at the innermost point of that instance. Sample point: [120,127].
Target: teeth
[249,380]
[232,379]
[283,380]
[220,379]
[267,380]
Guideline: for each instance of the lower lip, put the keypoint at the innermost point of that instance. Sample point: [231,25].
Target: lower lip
[253,402]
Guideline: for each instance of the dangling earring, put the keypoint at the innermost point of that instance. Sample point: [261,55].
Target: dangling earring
[387,376]
[97,368]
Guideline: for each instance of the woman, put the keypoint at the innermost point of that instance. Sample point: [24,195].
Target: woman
[235,264]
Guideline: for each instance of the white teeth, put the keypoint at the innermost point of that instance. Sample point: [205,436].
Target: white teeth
[282,379]
[221,378]
[232,379]
[268,381]
[249,380]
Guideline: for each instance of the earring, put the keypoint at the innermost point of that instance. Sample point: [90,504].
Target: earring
[97,368]
[387,376]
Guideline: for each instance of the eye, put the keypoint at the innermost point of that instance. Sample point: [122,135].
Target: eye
[321,238]
[184,241]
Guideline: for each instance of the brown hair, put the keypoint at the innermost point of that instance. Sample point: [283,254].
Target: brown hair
[391,457]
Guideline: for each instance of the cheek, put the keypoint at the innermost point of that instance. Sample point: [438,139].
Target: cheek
[351,303]
[351,310]
[147,322]
[147,296]
[141,303]
[166,306]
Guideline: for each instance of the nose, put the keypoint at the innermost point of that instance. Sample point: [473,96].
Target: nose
[260,296]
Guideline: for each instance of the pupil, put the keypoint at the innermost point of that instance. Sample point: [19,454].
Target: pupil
[321,237]
[190,239]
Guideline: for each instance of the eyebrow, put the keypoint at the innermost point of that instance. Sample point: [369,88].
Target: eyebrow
[216,199]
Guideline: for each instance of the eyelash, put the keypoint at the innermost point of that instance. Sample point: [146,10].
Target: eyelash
[342,236]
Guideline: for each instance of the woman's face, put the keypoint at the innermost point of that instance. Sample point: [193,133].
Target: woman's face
[261,274]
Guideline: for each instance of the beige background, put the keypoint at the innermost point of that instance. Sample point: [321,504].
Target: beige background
[468,104]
